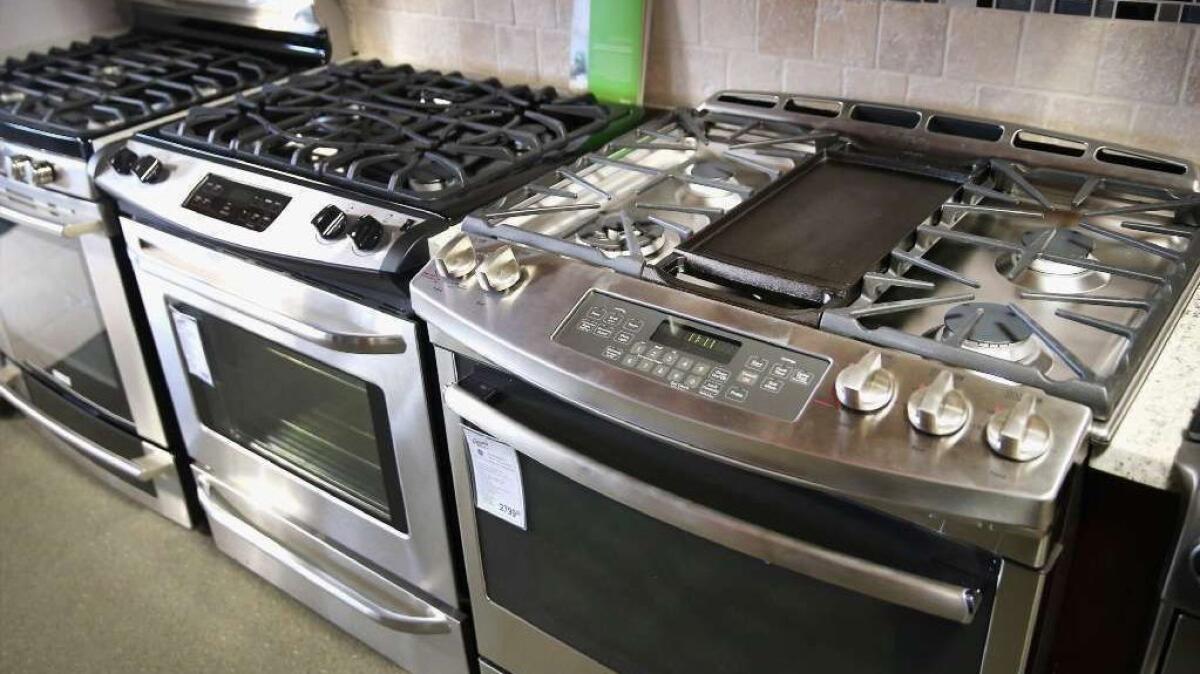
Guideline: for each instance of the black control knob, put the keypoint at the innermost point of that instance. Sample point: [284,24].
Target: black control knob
[330,222]
[149,169]
[123,161]
[367,233]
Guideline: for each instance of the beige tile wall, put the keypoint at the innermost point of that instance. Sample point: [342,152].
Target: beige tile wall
[1126,81]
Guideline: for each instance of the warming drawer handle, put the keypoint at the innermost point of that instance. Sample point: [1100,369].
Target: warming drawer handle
[432,622]
[934,597]
[334,341]
[72,230]
[141,469]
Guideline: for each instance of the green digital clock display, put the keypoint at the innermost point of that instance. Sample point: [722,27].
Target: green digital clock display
[696,342]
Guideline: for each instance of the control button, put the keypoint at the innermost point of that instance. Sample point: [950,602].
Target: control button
[645,365]
[630,360]
[772,385]
[597,312]
[737,394]
[330,222]
[781,370]
[747,378]
[865,386]
[670,357]
[634,324]
[711,390]
[691,381]
[1019,432]
[19,167]
[123,161]
[623,338]
[366,233]
[661,370]
[939,408]
[676,376]
[802,377]
[149,169]
[686,362]
[612,352]
[655,351]
[701,369]
[756,363]
[43,173]
[638,348]
[586,326]
[615,317]
[603,333]
[719,374]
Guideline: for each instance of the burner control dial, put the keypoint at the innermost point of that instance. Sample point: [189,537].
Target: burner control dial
[330,222]
[1019,433]
[366,233]
[123,161]
[149,169]
[866,386]
[939,408]
[42,173]
[19,167]
[500,270]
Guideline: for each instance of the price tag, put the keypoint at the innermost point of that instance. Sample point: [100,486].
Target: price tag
[497,474]
[193,348]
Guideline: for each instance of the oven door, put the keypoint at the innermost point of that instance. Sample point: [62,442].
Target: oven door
[595,548]
[310,406]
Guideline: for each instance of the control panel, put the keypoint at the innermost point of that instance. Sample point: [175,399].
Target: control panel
[237,204]
[693,358]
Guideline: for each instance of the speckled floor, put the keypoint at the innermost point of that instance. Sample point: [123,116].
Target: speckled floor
[90,582]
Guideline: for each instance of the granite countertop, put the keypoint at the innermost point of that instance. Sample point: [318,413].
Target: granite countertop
[1145,444]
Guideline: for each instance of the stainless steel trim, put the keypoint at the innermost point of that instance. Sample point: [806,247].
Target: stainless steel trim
[1014,617]
[143,469]
[329,339]
[434,622]
[66,231]
[937,598]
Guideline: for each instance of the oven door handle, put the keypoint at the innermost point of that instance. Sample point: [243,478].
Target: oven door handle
[328,339]
[72,230]
[927,595]
[208,493]
[142,469]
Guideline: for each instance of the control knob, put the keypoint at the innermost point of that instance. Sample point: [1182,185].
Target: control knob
[123,161]
[866,386]
[1019,433]
[366,233]
[149,169]
[330,222]
[42,173]
[19,167]
[500,270]
[939,408]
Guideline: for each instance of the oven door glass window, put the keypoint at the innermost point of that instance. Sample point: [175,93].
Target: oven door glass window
[50,315]
[315,421]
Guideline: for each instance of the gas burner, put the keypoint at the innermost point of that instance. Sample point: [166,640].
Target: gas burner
[991,329]
[709,169]
[430,176]
[1030,270]
[609,237]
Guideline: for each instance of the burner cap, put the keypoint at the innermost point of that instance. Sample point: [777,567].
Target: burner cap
[430,177]
[1065,242]
[710,170]
[997,324]
[609,237]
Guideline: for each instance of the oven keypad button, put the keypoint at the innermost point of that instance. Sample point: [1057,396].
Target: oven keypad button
[676,376]
[781,370]
[596,312]
[802,377]
[586,326]
[711,389]
[772,385]
[655,351]
[612,353]
[615,317]
[686,363]
[691,381]
[603,333]
[661,371]
[638,348]
[623,338]
[630,360]
[747,378]
[719,374]
[756,363]
[737,394]
[645,365]
[670,357]
[634,324]
[701,369]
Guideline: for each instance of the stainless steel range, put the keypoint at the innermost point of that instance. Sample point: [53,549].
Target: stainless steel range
[272,248]
[70,345]
[795,383]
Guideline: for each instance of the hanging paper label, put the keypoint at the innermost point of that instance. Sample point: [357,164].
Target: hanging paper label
[193,348]
[497,474]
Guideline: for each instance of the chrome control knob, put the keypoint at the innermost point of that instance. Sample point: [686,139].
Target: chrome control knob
[866,386]
[939,408]
[500,270]
[1019,432]
[19,167]
[42,173]
[452,253]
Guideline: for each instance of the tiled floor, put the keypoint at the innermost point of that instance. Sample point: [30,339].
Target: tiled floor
[92,583]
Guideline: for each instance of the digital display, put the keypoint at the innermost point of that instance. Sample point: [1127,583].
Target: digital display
[237,204]
[696,342]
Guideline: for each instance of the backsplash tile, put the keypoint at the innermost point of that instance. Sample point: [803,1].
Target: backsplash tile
[912,38]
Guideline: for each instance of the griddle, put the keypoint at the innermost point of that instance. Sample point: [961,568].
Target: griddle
[815,236]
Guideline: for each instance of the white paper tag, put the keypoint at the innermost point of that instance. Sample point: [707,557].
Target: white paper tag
[63,377]
[498,487]
[193,348]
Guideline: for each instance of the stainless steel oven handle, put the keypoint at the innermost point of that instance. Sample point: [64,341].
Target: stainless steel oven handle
[142,469]
[934,597]
[72,230]
[433,622]
[334,341]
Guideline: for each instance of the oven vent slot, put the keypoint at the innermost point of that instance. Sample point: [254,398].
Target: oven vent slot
[1110,155]
[905,119]
[751,100]
[815,107]
[965,128]
[1029,140]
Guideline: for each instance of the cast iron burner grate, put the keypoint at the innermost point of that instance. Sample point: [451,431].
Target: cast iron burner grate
[108,84]
[393,131]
